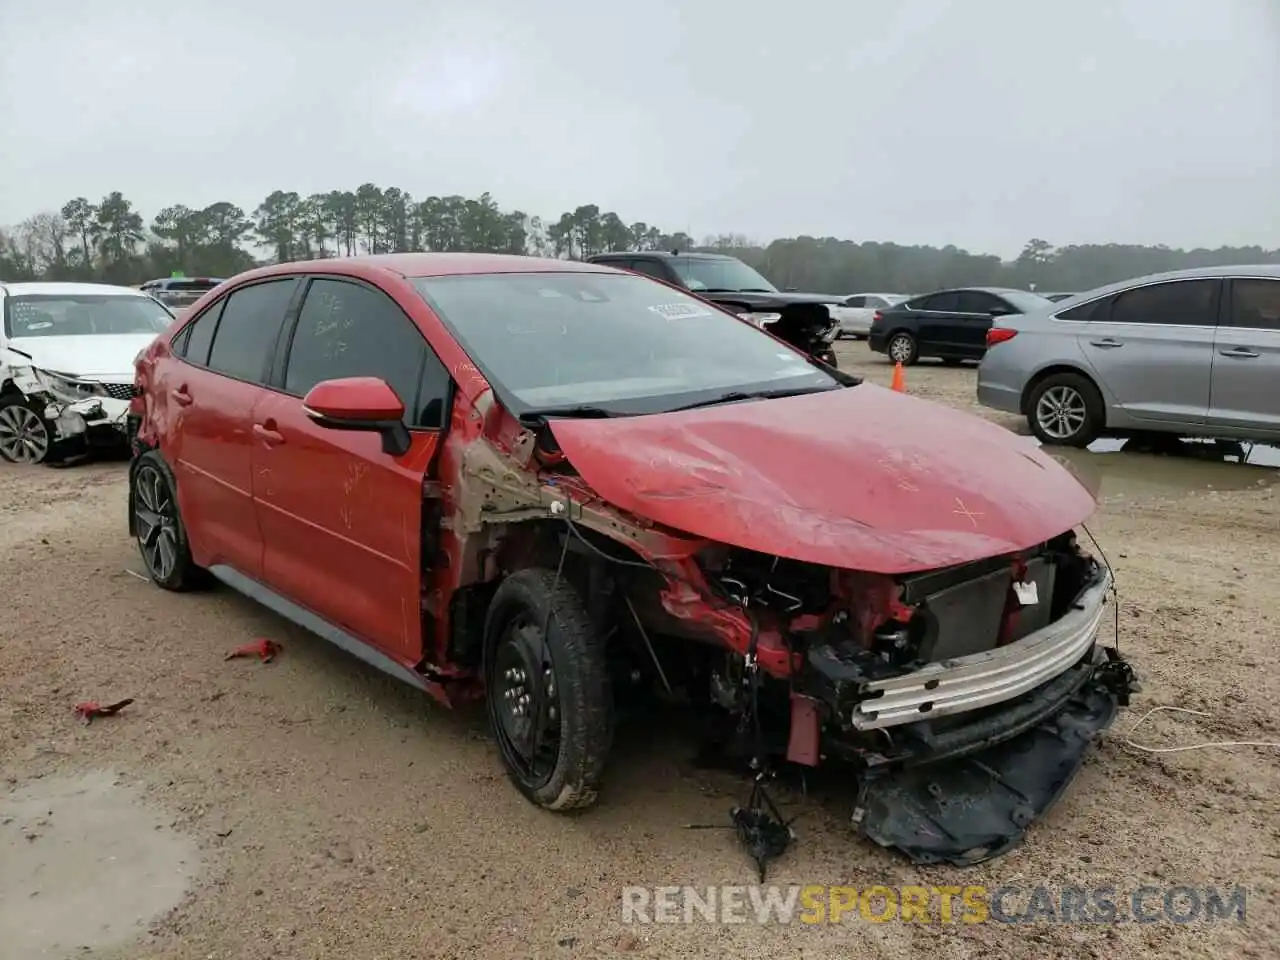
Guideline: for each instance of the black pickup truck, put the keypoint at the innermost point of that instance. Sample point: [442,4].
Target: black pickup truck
[801,319]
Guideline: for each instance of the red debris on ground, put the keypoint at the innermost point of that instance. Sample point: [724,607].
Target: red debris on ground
[264,650]
[90,709]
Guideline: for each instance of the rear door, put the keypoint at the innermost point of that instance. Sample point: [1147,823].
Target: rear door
[977,311]
[1152,348]
[1245,392]
[202,402]
[341,519]
[938,324]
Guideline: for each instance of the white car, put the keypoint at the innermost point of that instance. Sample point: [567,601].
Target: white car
[66,364]
[856,312]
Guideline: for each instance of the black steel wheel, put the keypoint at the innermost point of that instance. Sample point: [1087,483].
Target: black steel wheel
[547,688]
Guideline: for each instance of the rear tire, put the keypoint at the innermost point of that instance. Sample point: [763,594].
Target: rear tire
[902,348]
[549,699]
[1065,409]
[159,530]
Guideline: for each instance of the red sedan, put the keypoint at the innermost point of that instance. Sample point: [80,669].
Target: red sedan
[558,485]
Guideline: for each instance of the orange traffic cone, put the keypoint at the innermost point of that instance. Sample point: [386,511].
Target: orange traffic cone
[898,383]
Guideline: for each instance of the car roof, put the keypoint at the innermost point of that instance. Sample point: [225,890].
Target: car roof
[67,289]
[1265,270]
[997,290]
[418,265]
[663,255]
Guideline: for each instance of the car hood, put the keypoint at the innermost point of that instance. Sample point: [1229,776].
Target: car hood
[99,355]
[761,301]
[861,478]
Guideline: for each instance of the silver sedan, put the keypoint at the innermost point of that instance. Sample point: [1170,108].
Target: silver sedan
[1193,353]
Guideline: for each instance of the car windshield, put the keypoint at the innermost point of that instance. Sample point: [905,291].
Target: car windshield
[623,343]
[82,315]
[714,274]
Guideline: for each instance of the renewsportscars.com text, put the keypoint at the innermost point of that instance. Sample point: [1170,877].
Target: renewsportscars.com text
[815,904]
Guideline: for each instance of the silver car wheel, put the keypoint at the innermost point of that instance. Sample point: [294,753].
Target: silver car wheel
[1061,412]
[900,348]
[24,438]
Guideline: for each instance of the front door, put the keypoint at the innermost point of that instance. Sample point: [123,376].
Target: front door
[342,521]
[203,401]
[1152,348]
[1246,360]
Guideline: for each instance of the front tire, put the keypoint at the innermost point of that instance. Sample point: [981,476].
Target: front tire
[549,699]
[158,527]
[903,349]
[25,435]
[1065,409]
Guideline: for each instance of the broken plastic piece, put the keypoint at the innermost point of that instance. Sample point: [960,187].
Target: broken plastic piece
[90,709]
[760,827]
[264,650]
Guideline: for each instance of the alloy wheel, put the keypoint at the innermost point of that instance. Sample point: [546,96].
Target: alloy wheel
[526,700]
[900,349]
[1061,412]
[157,522]
[24,436]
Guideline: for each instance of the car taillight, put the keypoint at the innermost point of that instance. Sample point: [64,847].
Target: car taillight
[999,335]
[877,317]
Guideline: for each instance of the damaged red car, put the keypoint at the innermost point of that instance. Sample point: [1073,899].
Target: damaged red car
[556,484]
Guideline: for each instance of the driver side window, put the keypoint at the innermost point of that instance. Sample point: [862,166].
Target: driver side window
[348,329]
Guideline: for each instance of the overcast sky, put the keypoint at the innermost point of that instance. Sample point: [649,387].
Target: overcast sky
[975,122]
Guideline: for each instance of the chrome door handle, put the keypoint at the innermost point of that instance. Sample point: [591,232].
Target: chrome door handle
[1242,352]
[1106,343]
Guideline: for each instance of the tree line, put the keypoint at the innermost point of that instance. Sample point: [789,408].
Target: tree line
[111,241]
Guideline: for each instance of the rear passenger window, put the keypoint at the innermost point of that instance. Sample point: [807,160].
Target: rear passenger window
[1185,303]
[976,301]
[1084,312]
[251,319]
[198,336]
[943,302]
[1255,304]
[351,330]
[860,302]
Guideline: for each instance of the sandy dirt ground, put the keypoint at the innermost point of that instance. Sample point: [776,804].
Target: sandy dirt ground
[318,809]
